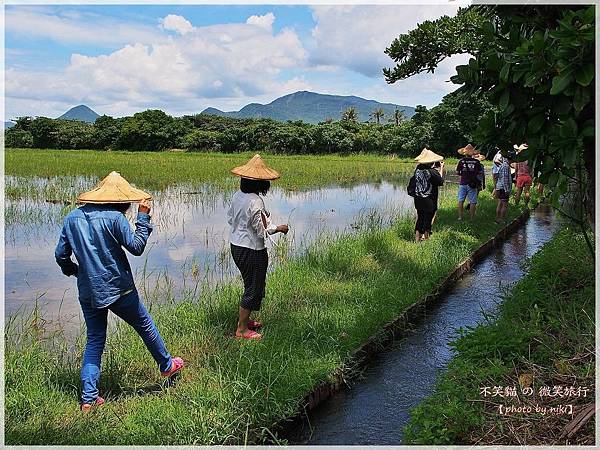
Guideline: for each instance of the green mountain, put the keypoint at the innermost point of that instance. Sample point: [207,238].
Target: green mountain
[313,108]
[81,112]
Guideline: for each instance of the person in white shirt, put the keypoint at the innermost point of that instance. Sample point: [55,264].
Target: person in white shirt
[250,224]
[497,162]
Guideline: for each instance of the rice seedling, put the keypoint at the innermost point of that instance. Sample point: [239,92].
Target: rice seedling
[298,171]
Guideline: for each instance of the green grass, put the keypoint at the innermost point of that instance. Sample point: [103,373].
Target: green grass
[157,170]
[544,327]
[318,308]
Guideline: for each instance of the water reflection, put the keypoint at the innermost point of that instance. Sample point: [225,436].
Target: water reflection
[188,250]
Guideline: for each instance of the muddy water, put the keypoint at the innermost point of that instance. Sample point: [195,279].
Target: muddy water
[376,408]
[188,250]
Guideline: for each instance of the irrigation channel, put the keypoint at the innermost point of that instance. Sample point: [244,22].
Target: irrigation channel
[188,250]
[375,409]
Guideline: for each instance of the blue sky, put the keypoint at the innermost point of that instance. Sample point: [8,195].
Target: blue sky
[183,59]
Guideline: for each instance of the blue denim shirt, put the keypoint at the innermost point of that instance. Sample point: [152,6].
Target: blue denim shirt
[96,235]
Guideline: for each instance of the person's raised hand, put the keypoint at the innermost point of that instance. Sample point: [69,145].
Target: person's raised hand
[145,206]
[283,229]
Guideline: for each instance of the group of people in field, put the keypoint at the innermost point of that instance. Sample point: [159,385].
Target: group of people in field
[429,176]
[98,233]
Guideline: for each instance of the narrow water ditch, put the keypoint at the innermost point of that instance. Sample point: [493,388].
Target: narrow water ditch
[375,409]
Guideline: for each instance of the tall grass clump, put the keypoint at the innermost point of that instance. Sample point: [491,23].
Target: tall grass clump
[319,307]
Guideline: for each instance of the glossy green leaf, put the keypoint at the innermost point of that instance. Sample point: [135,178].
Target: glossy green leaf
[588,131]
[536,123]
[581,98]
[585,75]
[504,98]
[504,73]
[560,83]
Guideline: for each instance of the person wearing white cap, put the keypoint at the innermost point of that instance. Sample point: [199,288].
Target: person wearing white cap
[98,234]
[503,187]
[497,162]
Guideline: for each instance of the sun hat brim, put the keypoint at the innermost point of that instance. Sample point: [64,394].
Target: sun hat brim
[428,157]
[256,169]
[113,189]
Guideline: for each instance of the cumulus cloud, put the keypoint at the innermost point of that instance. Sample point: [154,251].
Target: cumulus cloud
[180,68]
[355,37]
[176,23]
[265,21]
[181,73]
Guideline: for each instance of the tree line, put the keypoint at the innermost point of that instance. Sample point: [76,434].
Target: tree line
[444,128]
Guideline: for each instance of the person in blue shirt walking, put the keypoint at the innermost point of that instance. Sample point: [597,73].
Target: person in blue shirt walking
[97,234]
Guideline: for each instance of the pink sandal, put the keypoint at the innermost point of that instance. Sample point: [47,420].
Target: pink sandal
[254,325]
[87,407]
[248,334]
[176,365]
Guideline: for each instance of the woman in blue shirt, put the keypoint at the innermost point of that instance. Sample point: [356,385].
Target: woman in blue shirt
[96,235]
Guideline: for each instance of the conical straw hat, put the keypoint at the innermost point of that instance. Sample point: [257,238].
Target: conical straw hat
[113,189]
[256,169]
[421,154]
[479,157]
[428,157]
[468,150]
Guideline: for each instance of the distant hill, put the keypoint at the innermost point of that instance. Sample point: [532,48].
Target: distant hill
[8,125]
[313,108]
[81,112]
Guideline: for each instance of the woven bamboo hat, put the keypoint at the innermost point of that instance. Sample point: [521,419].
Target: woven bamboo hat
[479,157]
[427,157]
[256,169]
[468,150]
[113,189]
[420,155]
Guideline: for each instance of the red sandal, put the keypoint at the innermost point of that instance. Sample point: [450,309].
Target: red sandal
[176,365]
[254,325]
[87,407]
[248,334]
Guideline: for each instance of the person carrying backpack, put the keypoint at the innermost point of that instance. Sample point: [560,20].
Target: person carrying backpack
[425,184]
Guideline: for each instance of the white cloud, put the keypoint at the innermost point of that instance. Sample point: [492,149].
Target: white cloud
[71,27]
[182,69]
[181,73]
[176,23]
[355,37]
[265,21]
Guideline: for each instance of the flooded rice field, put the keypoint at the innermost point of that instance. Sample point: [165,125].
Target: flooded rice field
[188,250]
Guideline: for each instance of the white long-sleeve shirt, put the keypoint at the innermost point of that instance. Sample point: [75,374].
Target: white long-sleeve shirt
[244,217]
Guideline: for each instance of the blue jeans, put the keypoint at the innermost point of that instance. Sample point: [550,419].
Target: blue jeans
[131,310]
[465,191]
